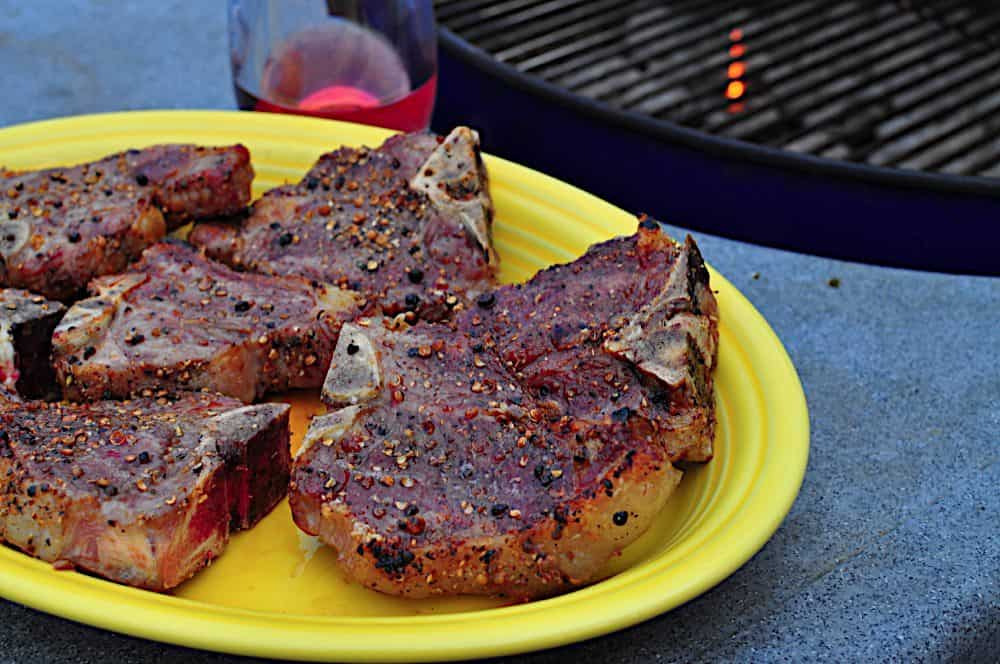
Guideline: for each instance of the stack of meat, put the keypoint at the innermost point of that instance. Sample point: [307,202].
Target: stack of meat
[484,439]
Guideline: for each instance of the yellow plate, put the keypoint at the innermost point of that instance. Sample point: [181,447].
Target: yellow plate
[274,593]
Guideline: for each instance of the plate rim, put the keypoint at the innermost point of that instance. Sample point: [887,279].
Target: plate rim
[190,623]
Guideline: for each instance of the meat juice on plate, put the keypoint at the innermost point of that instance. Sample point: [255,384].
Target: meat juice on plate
[343,71]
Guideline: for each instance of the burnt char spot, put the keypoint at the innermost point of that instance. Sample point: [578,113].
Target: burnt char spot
[621,415]
[488,556]
[499,509]
[544,475]
[392,562]
[620,518]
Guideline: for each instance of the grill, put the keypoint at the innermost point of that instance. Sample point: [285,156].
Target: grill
[905,85]
[867,131]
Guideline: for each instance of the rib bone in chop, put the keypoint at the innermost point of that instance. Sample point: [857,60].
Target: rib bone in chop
[514,454]
[407,225]
[141,492]
[179,321]
[61,227]
[26,324]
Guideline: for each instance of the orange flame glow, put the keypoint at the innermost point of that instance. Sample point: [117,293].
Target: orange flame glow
[735,89]
[737,69]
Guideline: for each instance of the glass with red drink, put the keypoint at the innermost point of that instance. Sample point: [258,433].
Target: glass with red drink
[367,61]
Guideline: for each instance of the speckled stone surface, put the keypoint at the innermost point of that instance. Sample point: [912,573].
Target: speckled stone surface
[892,551]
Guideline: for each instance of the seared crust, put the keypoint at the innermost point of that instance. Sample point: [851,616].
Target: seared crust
[406,225]
[141,492]
[26,324]
[61,227]
[513,452]
[178,321]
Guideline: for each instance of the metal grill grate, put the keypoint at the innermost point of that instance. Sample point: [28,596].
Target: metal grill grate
[906,84]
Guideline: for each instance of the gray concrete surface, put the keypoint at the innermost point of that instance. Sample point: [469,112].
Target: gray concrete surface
[892,551]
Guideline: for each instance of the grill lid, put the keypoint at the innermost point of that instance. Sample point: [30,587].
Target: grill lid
[906,85]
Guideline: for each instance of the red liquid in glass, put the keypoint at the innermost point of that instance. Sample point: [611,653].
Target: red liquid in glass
[411,113]
[344,72]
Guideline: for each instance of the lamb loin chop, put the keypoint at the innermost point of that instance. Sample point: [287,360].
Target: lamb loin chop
[514,451]
[61,227]
[178,321]
[141,492]
[26,324]
[407,225]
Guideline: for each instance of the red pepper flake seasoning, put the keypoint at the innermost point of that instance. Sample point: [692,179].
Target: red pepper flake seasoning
[311,360]
[407,482]
[414,525]
[424,351]
[471,413]
[398,396]
[171,500]
[515,514]
[387,480]
[141,485]
[477,387]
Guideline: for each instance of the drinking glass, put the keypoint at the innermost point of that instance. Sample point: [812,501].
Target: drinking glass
[367,61]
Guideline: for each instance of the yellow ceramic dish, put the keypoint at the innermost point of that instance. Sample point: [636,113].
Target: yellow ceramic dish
[275,593]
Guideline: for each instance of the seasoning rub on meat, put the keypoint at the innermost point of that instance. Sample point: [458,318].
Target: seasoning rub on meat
[406,225]
[178,321]
[61,227]
[515,451]
[142,492]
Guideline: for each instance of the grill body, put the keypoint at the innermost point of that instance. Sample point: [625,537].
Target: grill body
[721,184]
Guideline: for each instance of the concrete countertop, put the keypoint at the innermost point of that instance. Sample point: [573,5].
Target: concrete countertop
[892,550]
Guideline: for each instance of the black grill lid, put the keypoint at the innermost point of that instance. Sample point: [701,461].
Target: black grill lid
[908,85]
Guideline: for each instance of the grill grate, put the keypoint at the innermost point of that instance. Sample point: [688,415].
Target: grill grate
[905,84]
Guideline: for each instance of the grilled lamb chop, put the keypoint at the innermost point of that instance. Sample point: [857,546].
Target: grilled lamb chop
[179,321]
[61,227]
[513,452]
[407,225]
[26,324]
[141,492]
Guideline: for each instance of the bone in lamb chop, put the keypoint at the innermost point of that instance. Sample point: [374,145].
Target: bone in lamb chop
[407,225]
[26,325]
[61,227]
[178,321]
[514,451]
[142,492]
